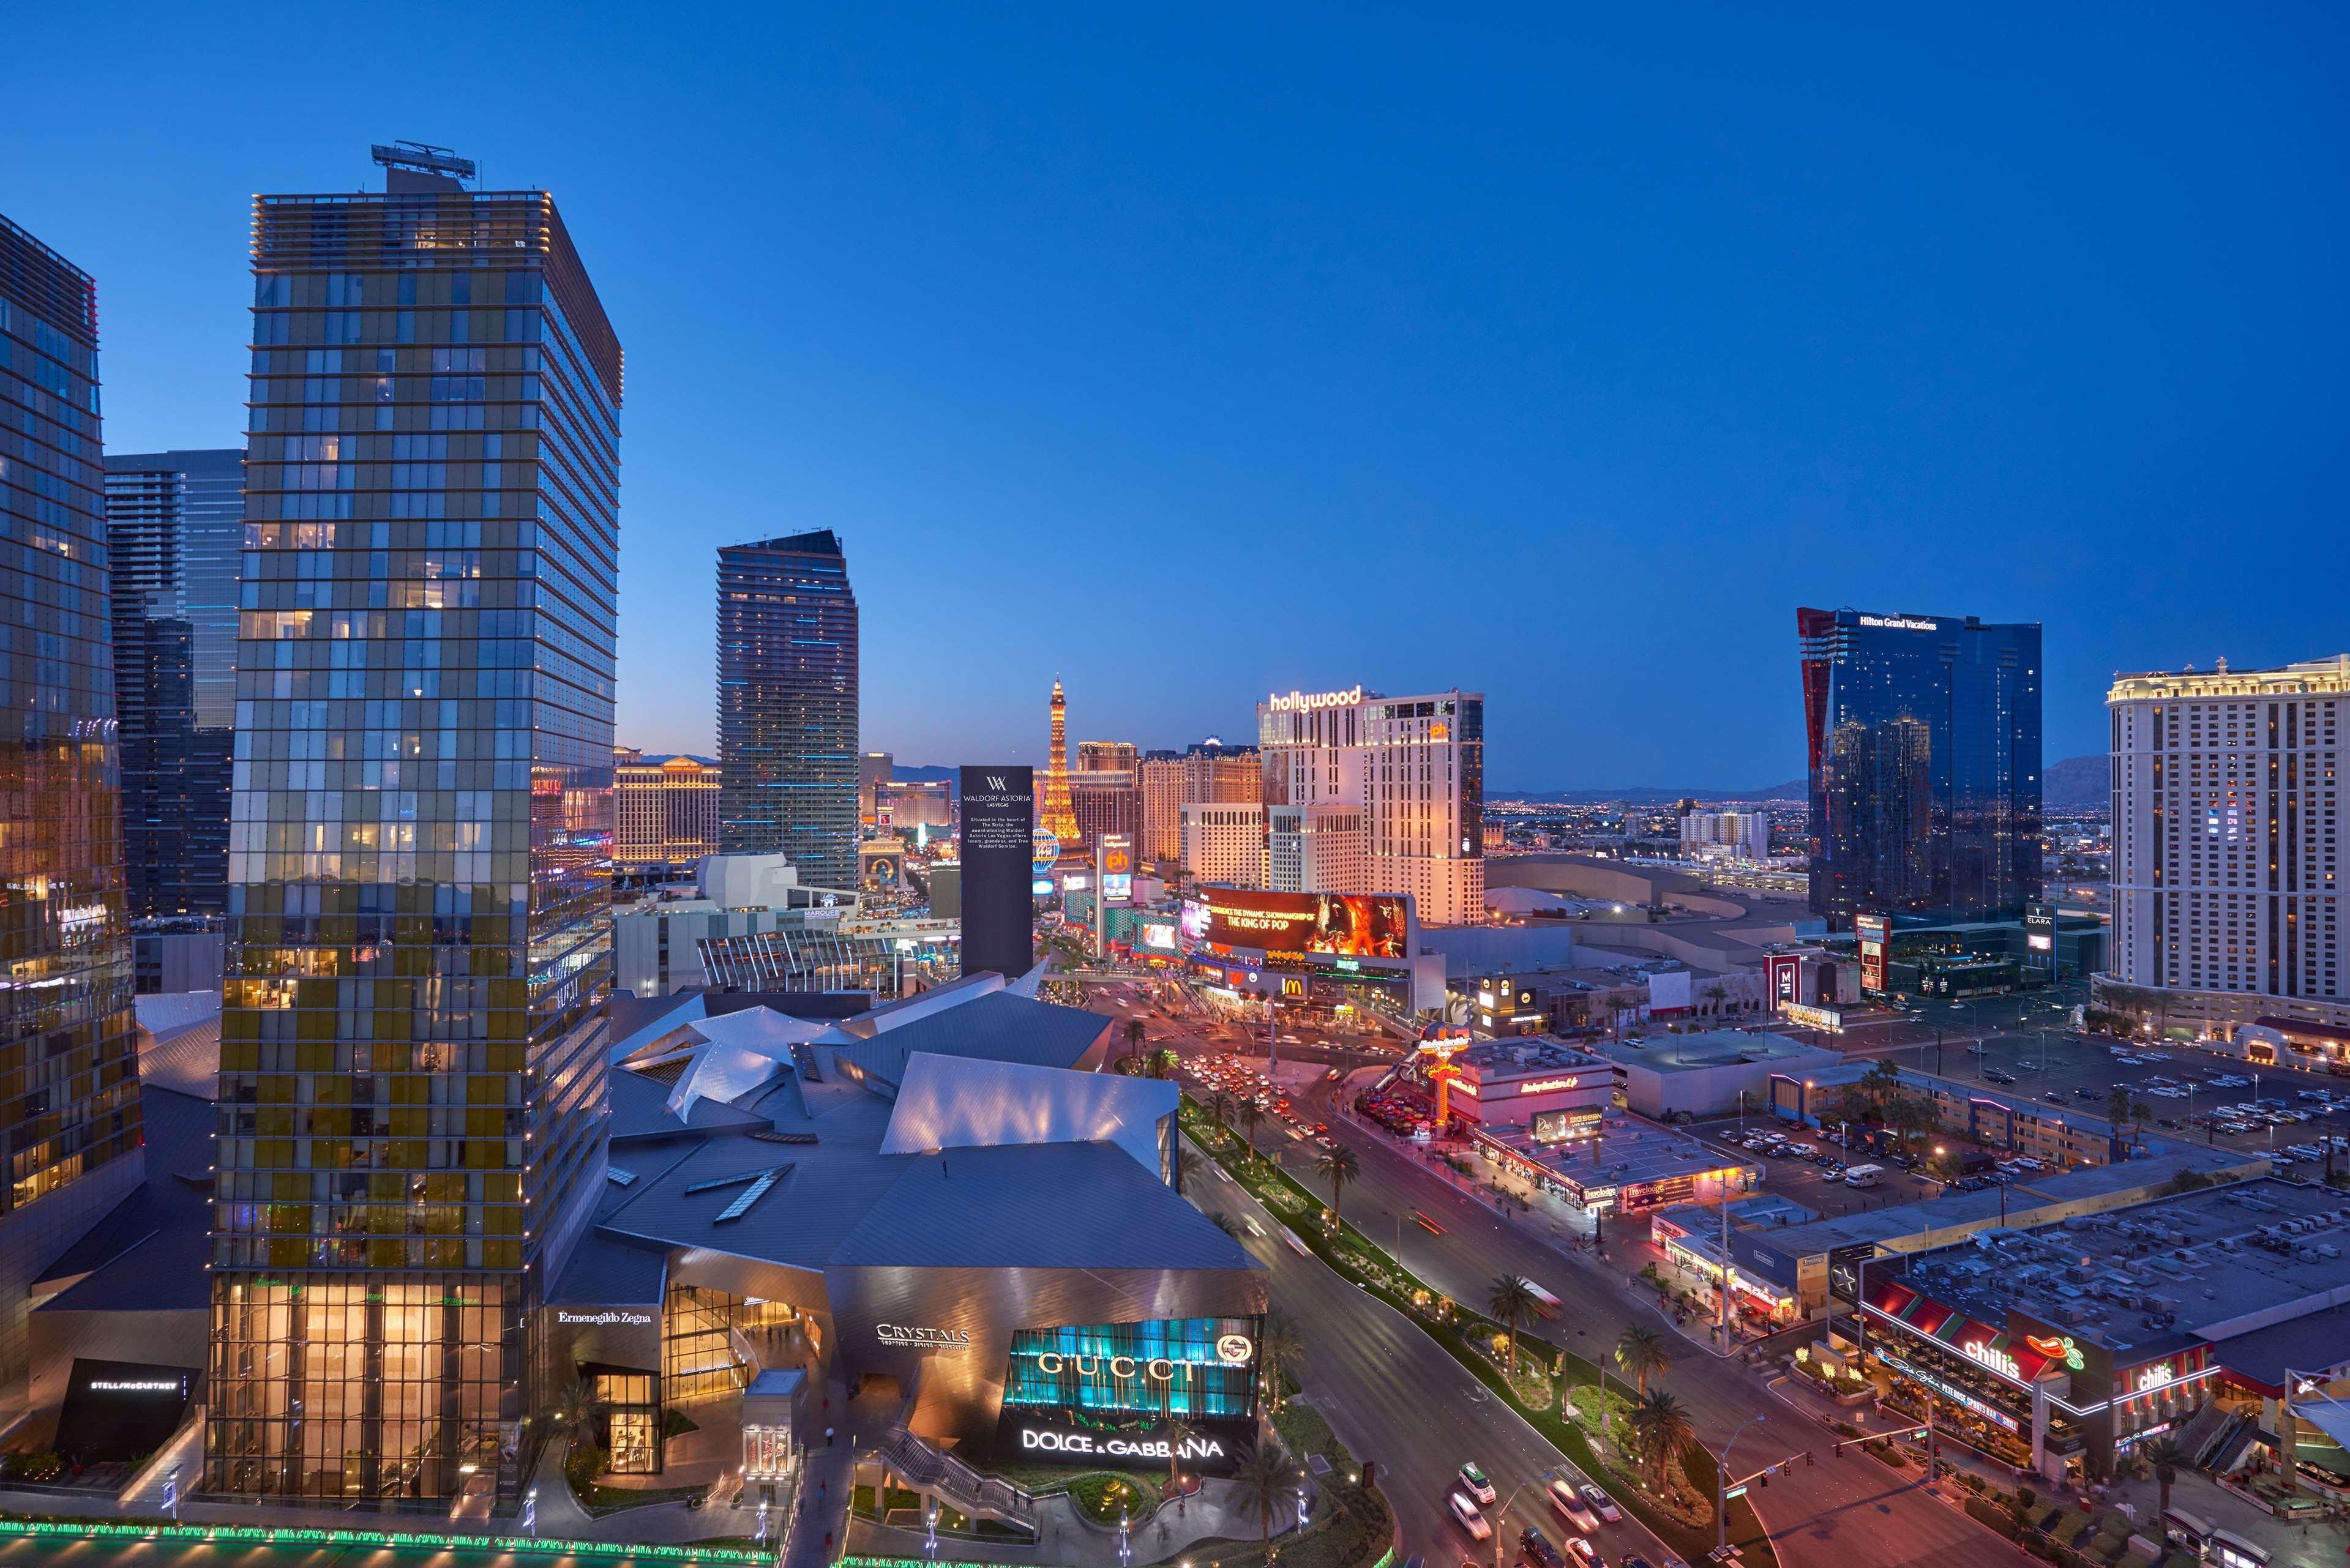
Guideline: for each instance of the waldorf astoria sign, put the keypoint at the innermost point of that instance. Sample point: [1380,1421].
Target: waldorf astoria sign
[998,821]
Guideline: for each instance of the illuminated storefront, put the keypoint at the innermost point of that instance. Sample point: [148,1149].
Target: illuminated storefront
[1117,1392]
[2029,1393]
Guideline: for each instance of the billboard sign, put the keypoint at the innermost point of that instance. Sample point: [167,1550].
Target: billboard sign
[1114,857]
[2039,928]
[1785,972]
[999,820]
[1872,930]
[1349,924]
[1158,936]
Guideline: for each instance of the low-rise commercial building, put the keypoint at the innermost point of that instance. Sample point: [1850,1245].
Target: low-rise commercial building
[2062,1347]
[1621,1166]
[2059,1135]
[1552,1090]
[1710,1074]
[1821,1261]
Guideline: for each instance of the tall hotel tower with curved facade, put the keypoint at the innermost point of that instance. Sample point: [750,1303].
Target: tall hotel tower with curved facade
[412,1028]
[68,1047]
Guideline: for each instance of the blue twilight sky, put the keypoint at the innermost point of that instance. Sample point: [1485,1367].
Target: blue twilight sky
[1557,352]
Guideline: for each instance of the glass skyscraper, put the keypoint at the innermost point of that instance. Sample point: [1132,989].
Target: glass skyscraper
[787,705]
[413,1020]
[174,526]
[1924,740]
[68,1046]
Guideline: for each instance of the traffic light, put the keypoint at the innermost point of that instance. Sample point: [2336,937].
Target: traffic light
[1766,1481]
[1807,1457]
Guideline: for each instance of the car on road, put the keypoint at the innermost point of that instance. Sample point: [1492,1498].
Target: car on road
[1477,1483]
[1584,1554]
[1433,1229]
[1569,1502]
[1601,1503]
[1535,1550]
[1465,1513]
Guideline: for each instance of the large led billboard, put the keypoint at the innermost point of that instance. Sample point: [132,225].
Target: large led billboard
[1351,925]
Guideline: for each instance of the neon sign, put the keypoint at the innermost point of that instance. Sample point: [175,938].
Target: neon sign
[1302,701]
[2060,1348]
[1999,1361]
[1544,1086]
[2155,1376]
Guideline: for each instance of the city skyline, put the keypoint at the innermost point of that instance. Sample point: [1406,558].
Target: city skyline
[1894,355]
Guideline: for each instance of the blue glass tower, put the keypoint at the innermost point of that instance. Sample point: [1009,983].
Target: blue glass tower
[787,705]
[1924,740]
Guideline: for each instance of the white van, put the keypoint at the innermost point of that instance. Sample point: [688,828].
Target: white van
[1864,1176]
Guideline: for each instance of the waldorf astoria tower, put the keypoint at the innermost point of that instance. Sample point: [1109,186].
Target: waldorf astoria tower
[413,1029]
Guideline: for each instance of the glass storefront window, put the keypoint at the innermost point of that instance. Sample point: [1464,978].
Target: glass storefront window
[698,1355]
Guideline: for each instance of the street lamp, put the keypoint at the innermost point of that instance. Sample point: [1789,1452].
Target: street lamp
[1503,1513]
[1721,1484]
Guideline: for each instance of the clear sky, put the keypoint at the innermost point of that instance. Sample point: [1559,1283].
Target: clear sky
[1559,353]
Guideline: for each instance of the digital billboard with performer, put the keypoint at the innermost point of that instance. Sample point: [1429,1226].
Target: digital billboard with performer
[1349,925]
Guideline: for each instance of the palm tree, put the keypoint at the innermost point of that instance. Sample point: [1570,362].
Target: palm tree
[1134,1033]
[1280,1348]
[1642,1354]
[1880,1084]
[2166,1455]
[1717,994]
[1662,1429]
[1338,1166]
[1264,1480]
[1177,1429]
[1250,1115]
[1221,1105]
[1512,1301]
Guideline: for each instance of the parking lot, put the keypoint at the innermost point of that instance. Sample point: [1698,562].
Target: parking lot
[2191,1093]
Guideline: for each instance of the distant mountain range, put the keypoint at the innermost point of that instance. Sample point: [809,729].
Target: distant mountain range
[2075,782]
[1646,795]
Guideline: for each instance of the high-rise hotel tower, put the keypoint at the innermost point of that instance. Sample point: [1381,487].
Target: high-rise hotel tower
[2227,869]
[413,1031]
[1924,738]
[1388,793]
[787,705]
[68,1047]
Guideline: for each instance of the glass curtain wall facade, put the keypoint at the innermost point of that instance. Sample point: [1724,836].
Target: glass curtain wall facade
[787,698]
[175,525]
[413,1036]
[1924,740]
[68,1048]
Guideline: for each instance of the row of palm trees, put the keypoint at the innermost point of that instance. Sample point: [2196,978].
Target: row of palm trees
[1660,1424]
